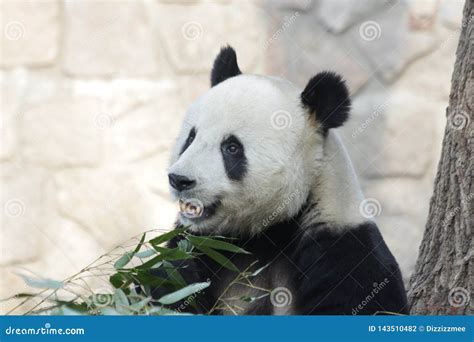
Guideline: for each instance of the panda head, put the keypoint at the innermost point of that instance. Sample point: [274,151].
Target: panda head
[250,148]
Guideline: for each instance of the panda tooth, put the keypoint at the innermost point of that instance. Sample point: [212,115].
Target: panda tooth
[190,209]
[182,206]
[198,210]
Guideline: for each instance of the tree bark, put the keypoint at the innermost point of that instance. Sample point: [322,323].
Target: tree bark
[443,279]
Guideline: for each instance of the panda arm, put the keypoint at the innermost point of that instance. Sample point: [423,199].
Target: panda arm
[348,272]
[192,271]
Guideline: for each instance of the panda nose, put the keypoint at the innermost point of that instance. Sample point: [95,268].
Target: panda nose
[181,183]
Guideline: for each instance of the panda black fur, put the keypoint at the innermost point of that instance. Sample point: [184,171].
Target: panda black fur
[287,195]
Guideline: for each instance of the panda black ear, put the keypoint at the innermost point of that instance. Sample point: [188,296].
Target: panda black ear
[327,98]
[225,66]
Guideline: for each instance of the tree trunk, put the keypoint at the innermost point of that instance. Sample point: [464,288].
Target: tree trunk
[443,278]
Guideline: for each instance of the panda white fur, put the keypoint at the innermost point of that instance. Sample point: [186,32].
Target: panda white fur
[262,158]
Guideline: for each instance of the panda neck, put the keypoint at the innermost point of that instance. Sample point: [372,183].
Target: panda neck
[336,194]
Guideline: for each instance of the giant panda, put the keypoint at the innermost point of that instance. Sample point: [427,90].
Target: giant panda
[270,172]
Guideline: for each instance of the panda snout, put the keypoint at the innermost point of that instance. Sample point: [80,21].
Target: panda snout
[181,183]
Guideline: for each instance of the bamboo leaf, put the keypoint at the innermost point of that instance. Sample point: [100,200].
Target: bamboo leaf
[146,279]
[121,300]
[251,299]
[173,253]
[215,244]
[120,279]
[145,254]
[258,271]
[176,277]
[65,311]
[185,245]
[218,257]
[123,260]
[161,311]
[140,305]
[127,257]
[42,283]
[110,312]
[170,254]
[173,274]
[183,293]
[140,244]
[18,296]
[166,236]
[82,307]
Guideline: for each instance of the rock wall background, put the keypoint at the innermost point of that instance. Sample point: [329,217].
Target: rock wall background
[93,93]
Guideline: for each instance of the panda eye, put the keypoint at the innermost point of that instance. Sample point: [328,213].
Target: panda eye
[232,148]
[233,155]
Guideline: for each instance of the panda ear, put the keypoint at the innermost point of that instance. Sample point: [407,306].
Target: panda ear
[225,66]
[327,98]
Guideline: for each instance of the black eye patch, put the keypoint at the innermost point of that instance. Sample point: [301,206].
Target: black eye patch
[189,140]
[235,162]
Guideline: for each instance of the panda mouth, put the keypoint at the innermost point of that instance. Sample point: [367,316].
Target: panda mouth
[194,209]
[191,208]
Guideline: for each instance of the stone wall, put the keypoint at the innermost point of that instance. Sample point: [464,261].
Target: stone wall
[93,94]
